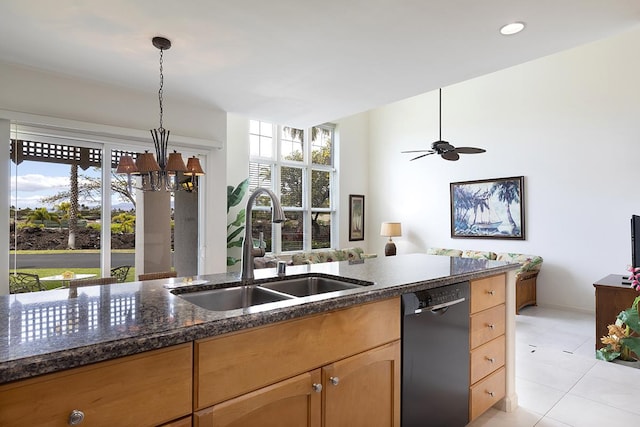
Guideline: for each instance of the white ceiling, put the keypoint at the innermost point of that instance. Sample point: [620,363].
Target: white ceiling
[297,62]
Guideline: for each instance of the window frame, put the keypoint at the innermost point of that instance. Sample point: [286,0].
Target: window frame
[277,163]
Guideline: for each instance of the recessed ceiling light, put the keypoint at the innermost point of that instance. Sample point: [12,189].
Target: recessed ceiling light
[513,28]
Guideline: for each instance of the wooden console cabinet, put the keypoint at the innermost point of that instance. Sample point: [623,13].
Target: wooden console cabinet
[612,297]
[487,343]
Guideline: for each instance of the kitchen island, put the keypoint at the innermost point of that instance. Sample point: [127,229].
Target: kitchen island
[55,331]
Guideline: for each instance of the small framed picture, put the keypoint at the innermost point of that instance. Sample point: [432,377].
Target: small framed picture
[488,208]
[356,217]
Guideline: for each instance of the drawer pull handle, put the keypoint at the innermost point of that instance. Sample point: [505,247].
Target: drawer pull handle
[76,417]
[491,359]
[490,393]
[334,380]
[317,387]
[490,325]
[491,292]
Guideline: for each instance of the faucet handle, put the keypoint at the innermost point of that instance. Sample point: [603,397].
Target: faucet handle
[282,268]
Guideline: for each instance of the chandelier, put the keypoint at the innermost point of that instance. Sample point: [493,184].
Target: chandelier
[162,174]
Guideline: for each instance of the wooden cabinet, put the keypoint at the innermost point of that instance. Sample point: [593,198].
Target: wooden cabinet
[294,402]
[487,343]
[612,297]
[344,364]
[148,389]
[362,390]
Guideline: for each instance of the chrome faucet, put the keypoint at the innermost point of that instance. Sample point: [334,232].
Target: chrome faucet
[247,244]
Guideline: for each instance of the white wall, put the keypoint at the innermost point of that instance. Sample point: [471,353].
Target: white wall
[569,123]
[352,140]
[23,90]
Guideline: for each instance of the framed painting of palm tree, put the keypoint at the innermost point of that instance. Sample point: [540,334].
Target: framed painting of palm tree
[488,208]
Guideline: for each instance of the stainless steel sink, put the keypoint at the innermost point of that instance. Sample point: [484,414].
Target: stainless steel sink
[233,298]
[247,296]
[305,286]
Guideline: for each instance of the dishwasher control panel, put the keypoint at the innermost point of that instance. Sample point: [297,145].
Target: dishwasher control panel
[439,296]
[434,298]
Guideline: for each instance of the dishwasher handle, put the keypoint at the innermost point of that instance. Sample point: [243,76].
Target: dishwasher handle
[440,308]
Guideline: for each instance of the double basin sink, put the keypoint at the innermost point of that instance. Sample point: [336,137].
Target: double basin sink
[247,296]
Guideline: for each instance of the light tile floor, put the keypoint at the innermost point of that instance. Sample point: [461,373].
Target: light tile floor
[558,380]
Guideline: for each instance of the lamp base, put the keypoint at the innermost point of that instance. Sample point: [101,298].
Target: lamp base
[390,248]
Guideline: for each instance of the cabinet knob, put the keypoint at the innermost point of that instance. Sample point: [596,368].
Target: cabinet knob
[317,387]
[491,292]
[334,380]
[490,359]
[490,326]
[490,393]
[76,417]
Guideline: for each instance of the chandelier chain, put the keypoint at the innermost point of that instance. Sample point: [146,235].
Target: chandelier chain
[160,90]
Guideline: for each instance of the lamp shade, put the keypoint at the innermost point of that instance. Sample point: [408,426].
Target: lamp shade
[193,167]
[147,163]
[391,229]
[175,163]
[126,165]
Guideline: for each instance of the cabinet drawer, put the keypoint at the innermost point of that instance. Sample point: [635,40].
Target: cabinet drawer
[487,325]
[142,390]
[486,393]
[231,365]
[487,358]
[487,292]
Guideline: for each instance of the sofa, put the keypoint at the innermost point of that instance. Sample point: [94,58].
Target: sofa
[312,257]
[526,274]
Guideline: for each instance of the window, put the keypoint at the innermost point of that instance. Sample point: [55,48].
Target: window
[297,165]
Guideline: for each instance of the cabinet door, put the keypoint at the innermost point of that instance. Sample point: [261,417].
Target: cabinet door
[364,390]
[290,403]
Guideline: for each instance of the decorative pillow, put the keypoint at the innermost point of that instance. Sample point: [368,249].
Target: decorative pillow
[267,261]
[479,255]
[350,254]
[444,251]
[300,258]
[529,262]
[330,255]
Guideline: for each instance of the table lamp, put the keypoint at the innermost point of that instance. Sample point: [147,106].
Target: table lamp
[390,229]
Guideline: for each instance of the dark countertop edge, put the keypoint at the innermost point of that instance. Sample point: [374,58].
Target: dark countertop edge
[29,367]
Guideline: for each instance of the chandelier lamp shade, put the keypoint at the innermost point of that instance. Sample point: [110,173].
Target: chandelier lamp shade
[162,172]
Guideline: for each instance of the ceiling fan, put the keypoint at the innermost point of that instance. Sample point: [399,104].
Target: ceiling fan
[443,148]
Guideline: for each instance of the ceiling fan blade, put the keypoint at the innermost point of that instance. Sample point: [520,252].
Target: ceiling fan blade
[470,150]
[417,151]
[421,156]
[450,155]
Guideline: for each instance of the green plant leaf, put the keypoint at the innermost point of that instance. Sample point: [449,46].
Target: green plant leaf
[235,244]
[632,343]
[240,219]
[233,235]
[235,195]
[631,318]
[232,261]
[606,354]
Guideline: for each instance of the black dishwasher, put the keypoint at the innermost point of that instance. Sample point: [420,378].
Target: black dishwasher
[435,357]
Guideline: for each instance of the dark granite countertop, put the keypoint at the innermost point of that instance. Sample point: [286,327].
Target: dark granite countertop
[54,330]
